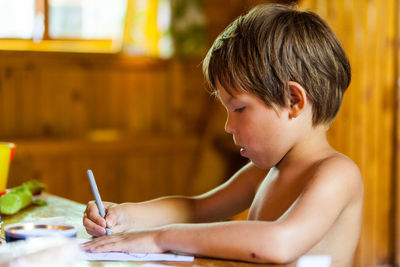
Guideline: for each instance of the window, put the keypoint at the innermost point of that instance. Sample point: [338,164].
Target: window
[17,18]
[86,19]
[102,26]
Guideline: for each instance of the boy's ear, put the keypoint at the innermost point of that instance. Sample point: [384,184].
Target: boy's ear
[297,99]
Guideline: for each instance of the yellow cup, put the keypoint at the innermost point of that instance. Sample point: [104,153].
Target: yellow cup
[6,154]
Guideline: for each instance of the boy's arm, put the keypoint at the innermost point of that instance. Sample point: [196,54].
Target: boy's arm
[224,201]
[239,240]
[336,184]
[230,198]
[220,203]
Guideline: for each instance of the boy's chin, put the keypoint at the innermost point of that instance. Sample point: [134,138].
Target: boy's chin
[261,165]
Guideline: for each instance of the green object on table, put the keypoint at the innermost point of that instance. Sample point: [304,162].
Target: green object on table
[19,197]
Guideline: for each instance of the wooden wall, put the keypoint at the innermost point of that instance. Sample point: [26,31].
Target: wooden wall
[397,148]
[58,95]
[136,122]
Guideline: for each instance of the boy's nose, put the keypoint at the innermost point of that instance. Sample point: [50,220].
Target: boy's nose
[228,127]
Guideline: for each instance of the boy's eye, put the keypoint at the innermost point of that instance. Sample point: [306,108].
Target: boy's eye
[239,109]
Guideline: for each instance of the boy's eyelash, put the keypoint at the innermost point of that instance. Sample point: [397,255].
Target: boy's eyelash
[239,109]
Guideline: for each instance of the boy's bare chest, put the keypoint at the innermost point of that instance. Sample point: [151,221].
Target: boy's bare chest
[273,199]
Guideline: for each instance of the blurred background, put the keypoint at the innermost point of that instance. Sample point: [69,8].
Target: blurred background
[117,86]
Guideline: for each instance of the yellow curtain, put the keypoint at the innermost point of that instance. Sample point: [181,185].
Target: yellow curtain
[162,28]
[141,32]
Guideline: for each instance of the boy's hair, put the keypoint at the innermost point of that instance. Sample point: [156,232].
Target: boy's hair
[262,51]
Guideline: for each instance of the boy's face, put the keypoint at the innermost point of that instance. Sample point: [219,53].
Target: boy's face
[263,134]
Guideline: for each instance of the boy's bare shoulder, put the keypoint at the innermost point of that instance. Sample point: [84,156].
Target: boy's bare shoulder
[339,172]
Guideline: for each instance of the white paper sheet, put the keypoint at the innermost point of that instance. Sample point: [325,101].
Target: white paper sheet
[118,256]
[154,265]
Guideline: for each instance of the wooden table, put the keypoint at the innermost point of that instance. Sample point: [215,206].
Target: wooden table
[71,213]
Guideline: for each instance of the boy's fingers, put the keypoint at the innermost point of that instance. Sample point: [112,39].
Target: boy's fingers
[105,245]
[92,212]
[90,205]
[93,233]
[98,220]
[94,223]
[110,219]
[93,228]
[106,204]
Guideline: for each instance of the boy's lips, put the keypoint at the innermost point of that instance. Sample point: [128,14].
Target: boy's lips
[243,152]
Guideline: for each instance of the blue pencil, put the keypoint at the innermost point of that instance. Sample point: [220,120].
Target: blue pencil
[97,197]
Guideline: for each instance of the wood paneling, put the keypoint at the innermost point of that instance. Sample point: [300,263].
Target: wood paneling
[130,169]
[137,122]
[63,95]
[364,128]
[396,188]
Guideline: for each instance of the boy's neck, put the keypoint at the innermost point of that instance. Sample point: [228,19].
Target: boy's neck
[309,147]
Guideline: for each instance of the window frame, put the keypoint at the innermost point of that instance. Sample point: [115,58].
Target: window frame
[47,44]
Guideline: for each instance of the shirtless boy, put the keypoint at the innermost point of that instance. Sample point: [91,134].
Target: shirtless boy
[281,75]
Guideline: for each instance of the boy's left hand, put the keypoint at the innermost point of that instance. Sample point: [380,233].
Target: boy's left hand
[137,241]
